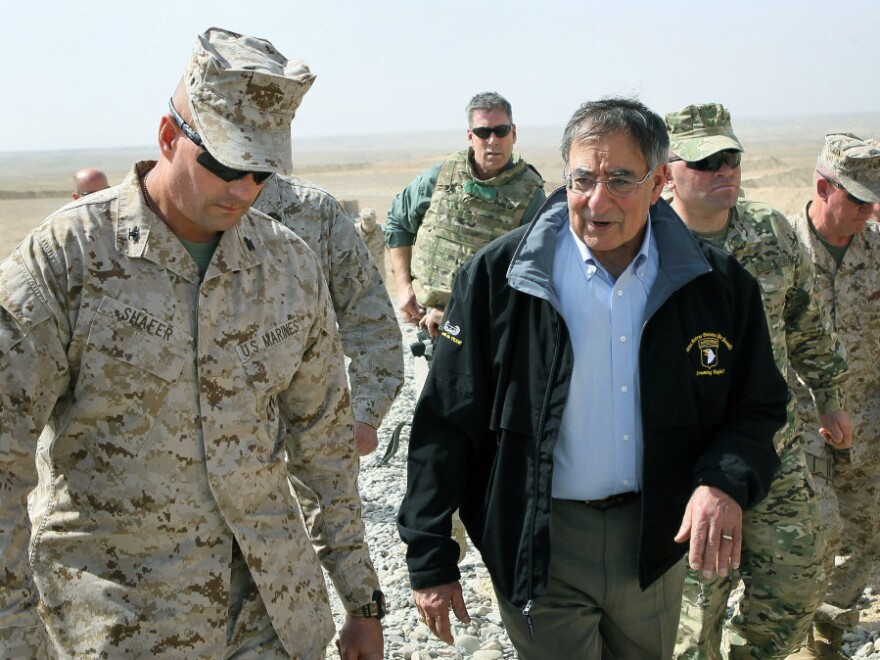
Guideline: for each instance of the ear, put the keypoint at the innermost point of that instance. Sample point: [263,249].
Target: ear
[660,177]
[513,131]
[823,189]
[75,195]
[470,137]
[167,135]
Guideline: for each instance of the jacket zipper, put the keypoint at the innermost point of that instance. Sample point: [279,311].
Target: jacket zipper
[526,612]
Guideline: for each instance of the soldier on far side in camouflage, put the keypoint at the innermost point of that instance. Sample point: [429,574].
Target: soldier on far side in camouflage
[844,247]
[367,326]
[170,371]
[781,564]
[373,235]
[457,206]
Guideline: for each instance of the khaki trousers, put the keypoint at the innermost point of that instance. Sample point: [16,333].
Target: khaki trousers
[594,608]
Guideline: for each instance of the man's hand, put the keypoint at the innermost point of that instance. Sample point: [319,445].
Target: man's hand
[713,522]
[433,605]
[365,438]
[410,310]
[361,639]
[837,429]
[432,321]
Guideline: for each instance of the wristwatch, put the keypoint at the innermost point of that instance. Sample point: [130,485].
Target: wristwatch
[374,609]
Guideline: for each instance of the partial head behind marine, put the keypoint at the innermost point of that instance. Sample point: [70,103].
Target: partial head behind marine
[87,181]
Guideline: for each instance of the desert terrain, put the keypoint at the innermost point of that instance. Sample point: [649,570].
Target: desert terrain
[371,170]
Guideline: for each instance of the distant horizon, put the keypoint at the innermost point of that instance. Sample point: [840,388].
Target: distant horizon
[744,123]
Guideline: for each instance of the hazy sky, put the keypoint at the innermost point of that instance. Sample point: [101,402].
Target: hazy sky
[98,73]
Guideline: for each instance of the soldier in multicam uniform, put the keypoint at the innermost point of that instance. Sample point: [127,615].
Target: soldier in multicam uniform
[781,565]
[181,353]
[844,247]
[373,234]
[367,325]
[456,207]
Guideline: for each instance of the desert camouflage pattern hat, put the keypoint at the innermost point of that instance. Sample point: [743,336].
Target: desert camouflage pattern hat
[368,213]
[243,95]
[854,163]
[698,131]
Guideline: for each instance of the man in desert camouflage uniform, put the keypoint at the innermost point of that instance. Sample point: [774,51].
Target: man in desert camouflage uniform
[456,207]
[367,325]
[373,234]
[781,566]
[844,247]
[180,352]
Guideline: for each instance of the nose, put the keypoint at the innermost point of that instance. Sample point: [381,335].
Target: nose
[245,188]
[600,198]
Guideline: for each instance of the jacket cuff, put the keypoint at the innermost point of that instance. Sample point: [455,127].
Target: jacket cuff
[434,577]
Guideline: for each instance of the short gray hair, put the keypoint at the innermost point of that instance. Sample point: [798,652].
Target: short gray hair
[612,114]
[488,101]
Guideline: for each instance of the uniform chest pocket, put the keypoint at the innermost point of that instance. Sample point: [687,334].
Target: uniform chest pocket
[270,362]
[130,363]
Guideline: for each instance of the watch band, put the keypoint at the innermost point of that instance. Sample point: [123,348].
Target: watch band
[375,609]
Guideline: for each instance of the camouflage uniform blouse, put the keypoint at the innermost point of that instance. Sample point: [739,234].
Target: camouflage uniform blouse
[367,326]
[851,296]
[175,410]
[762,240]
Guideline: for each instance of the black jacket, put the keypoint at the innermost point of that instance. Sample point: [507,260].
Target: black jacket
[486,424]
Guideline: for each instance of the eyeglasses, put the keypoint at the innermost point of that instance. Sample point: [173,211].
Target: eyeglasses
[617,185]
[206,160]
[483,132]
[849,195]
[713,163]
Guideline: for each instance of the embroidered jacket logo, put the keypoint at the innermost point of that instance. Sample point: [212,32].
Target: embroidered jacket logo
[451,329]
[713,348]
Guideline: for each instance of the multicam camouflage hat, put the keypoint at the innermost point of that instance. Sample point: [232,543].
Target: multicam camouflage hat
[698,131]
[368,213]
[243,95]
[854,163]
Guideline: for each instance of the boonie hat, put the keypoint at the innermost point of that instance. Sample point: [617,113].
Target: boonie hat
[368,213]
[243,95]
[698,131]
[854,163]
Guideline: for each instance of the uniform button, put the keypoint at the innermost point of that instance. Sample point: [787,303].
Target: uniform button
[626,436]
[625,482]
[619,292]
[624,389]
[623,339]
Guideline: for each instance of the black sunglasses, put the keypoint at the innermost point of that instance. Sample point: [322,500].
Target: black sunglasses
[483,132]
[206,160]
[714,162]
[849,195]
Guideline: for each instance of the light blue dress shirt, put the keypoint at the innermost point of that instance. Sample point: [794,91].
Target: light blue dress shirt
[600,446]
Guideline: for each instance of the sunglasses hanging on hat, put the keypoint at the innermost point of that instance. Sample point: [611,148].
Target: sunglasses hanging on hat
[206,160]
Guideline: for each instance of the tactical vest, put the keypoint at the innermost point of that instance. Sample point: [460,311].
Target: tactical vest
[466,214]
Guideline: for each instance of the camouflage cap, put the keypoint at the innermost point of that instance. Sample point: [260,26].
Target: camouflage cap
[698,131]
[854,163]
[368,213]
[243,95]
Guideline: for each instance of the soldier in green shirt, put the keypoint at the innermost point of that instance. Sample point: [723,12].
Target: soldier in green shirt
[781,565]
[458,206]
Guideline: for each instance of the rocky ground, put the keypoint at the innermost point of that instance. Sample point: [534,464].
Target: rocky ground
[382,488]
